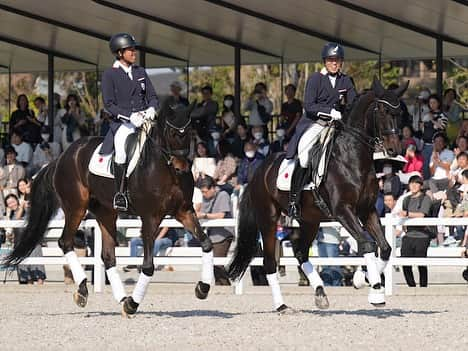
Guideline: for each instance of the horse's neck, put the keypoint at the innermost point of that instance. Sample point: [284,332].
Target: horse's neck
[360,116]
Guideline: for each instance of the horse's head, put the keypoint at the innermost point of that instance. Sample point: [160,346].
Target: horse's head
[386,116]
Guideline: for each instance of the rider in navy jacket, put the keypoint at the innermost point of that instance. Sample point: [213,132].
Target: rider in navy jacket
[328,91]
[130,98]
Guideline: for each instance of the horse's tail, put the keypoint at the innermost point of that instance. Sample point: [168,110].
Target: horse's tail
[44,204]
[247,237]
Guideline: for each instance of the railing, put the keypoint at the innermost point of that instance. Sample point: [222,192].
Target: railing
[388,222]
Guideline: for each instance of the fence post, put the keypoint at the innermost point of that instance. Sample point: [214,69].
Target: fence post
[239,284]
[389,281]
[99,274]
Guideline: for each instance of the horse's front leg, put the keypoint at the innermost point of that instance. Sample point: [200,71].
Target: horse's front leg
[191,223]
[148,230]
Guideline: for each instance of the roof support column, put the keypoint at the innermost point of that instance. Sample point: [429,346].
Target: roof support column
[237,82]
[380,66]
[9,94]
[439,65]
[187,78]
[50,93]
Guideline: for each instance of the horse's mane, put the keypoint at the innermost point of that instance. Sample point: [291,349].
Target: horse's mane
[358,107]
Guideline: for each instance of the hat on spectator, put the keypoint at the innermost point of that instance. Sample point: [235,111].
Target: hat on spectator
[416,179]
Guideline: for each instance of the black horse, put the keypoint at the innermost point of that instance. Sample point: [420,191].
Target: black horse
[160,185]
[349,191]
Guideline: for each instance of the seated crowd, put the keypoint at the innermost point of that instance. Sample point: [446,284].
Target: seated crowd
[434,160]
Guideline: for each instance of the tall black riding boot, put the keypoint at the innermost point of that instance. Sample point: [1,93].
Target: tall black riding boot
[297,183]
[120,199]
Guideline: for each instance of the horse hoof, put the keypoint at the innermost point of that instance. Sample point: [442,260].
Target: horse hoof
[284,309]
[321,299]
[80,299]
[359,279]
[201,290]
[129,307]
[376,296]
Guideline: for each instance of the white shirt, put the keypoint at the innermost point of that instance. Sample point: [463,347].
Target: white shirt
[24,151]
[445,156]
[127,70]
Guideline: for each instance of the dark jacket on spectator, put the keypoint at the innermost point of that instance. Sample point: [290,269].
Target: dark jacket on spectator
[247,168]
[204,118]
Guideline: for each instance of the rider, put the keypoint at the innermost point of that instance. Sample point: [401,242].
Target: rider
[326,95]
[130,98]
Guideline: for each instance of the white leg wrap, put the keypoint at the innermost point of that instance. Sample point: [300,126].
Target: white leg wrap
[207,267]
[77,270]
[312,274]
[140,288]
[381,264]
[275,290]
[373,274]
[116,283]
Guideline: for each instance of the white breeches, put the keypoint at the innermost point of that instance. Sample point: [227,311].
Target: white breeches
[120,138]
[306,142]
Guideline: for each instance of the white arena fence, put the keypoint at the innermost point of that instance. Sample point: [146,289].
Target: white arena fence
[192,256]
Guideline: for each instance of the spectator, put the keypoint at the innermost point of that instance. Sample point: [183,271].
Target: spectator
[328,242]
[263,146]
[391,182]
[176,98]
[23,150]
[259,107]
[11,173]
[452,109]
[228,118]
[417,239]
[406,118]
[23,121]
[204,114]
[42,115]
[103,122]
[281,139]
[216,205]
[420,109]
[213,139]
[165,239]
[59,112]
[240,139]
[461,147]
[462,208]
[291,110]
[409,138]
[27,274]
[74,121]
[440,163]
[2,157]
[45,152]
[251,161]
[414,160]
[433,122]
[225,167]
[203,164]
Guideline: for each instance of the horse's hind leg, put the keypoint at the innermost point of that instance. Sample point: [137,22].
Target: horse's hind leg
[191,223]
[73,219]
[367,247]
[301,247]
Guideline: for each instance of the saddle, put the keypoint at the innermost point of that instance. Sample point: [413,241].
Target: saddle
[102,165]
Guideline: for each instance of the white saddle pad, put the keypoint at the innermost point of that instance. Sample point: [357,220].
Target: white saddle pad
[101,164]
[283,182]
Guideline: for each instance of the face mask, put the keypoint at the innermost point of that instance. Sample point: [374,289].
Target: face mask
[250,154]
[228,103]
[258,135]
[280,133]
[45,137]
[387,170]
[215,135]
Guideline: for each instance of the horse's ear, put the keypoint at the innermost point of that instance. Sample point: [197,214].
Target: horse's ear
[401,89]
[377,87]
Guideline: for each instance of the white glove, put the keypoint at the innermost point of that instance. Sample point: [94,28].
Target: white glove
[335,115]
[150,113]
[136,118]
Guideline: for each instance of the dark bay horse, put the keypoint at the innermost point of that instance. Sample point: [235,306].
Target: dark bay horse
[349,191]
[160,185]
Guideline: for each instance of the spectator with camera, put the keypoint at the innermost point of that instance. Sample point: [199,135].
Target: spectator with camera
[433,122]
[420,109]
[24,122]
[259,107]
[45,152]
[204,114]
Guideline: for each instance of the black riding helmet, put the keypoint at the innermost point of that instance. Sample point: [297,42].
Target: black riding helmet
[332,50]
[121,41]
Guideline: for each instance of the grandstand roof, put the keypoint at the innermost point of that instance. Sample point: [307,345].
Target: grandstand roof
[205,32]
